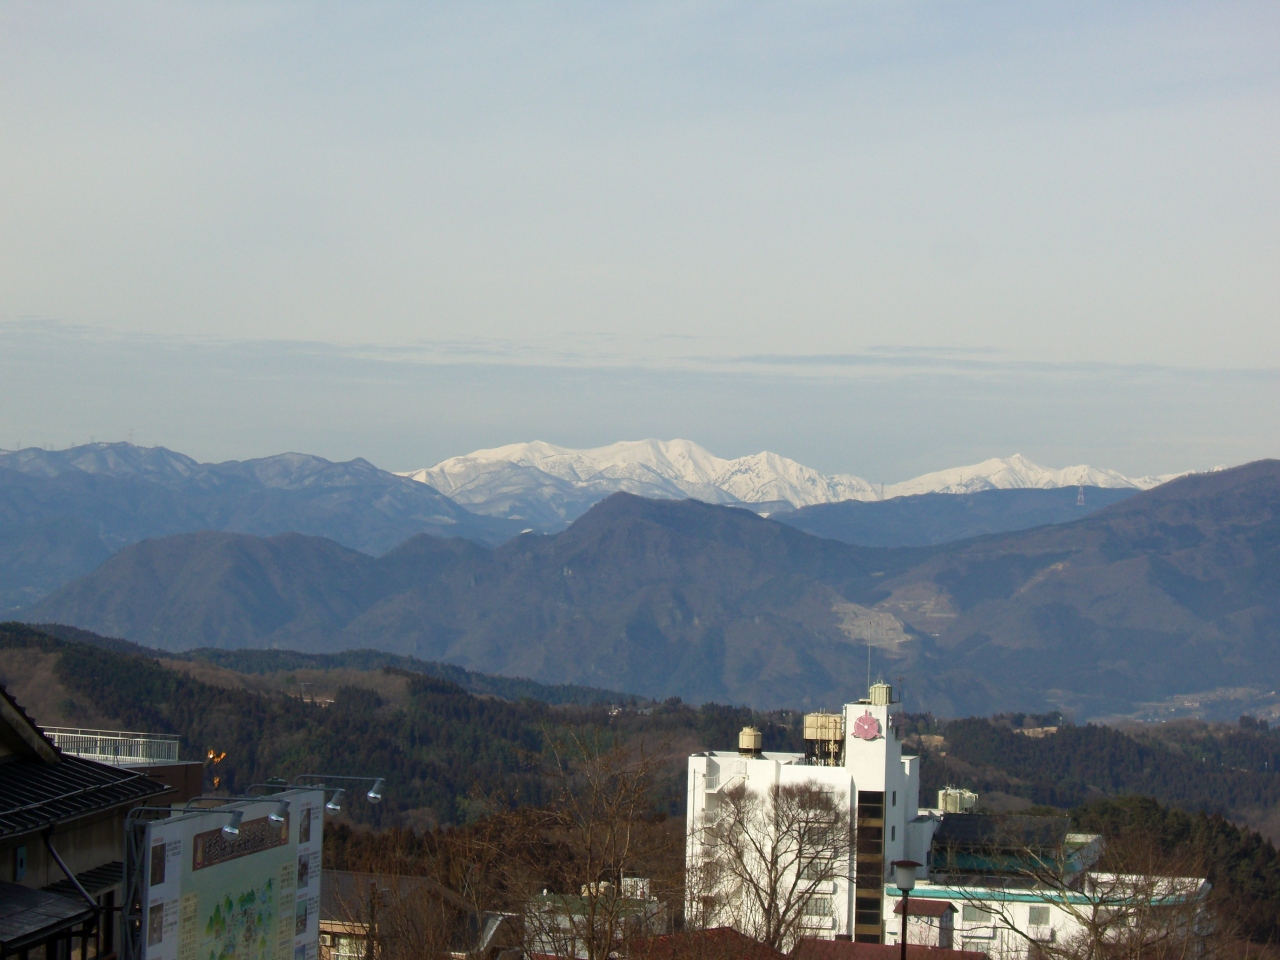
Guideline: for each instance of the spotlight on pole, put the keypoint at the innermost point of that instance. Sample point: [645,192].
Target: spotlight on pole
[232,827]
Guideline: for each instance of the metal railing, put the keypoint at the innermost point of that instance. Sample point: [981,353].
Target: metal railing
[115,746]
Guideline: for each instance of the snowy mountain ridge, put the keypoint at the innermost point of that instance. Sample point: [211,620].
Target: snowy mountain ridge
[548,485]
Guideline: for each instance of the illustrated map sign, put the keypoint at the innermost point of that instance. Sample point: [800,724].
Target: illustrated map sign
[255,896]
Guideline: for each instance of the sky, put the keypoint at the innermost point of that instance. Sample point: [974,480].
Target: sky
[876,237]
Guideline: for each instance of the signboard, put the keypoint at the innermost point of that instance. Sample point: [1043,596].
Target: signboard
[866,727]
[254,896]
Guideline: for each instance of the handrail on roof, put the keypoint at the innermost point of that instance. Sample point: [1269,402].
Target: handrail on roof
[113,746]
[128,734]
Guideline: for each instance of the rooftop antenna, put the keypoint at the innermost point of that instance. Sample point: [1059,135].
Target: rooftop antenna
[868,666]
[1080,496]
[901,698]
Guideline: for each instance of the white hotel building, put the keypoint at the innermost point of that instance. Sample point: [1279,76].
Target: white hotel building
[857,754]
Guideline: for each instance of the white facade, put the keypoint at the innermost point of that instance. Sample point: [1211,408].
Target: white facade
[999,916]
[1004,922]
[879,785]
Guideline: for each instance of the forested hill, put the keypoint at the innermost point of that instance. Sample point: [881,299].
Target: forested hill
[444,751]
[450,756]
[441,746]
[1218,768]
[279,661]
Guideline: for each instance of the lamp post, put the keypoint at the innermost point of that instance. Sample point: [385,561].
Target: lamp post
[904,875]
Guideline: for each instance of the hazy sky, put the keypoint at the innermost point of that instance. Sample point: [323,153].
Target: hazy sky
[877,237]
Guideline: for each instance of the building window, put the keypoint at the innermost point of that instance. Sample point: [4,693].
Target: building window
[893,833]
[870,841]
[348,948]
[817,870]
[976,915]
[867,912]
[818,907]
[870,804]
[895,798]
[869,876]
[1038,916]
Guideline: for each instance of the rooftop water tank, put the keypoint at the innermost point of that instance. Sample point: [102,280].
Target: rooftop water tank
[824,739]
[824,726]
[881,694]
[956,800]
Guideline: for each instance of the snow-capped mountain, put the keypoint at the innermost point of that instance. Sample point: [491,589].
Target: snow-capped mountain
[1016,473]
[549,486]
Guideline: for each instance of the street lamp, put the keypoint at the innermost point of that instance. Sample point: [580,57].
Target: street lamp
[904,875]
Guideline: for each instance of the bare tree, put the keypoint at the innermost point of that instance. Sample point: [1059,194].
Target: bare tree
[393,917]
[619,861]
[763,860]
[1135,903]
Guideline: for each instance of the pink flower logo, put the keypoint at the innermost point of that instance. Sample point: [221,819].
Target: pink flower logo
[866,727]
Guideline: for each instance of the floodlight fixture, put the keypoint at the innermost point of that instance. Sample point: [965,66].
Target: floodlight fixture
[323,781]
[232,827]
[280,812]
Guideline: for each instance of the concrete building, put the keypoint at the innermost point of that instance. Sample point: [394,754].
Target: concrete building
[857,756]
[993,885]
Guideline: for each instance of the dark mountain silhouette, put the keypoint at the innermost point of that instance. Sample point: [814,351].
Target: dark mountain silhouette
[1169,592]
[63,512]
[934,518]
[1172,591]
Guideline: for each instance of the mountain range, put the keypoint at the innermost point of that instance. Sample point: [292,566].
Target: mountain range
[63,512]
[547,486]
[1169,596]
[935,518]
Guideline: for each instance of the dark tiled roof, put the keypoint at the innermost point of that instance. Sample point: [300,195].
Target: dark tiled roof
[27,916]
[848,950]
[344,896]
[35,794]
[927,908]
[108,875]
[719,943]
[980,829]
[21,732]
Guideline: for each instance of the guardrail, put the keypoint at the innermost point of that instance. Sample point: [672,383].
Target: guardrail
[115,746]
